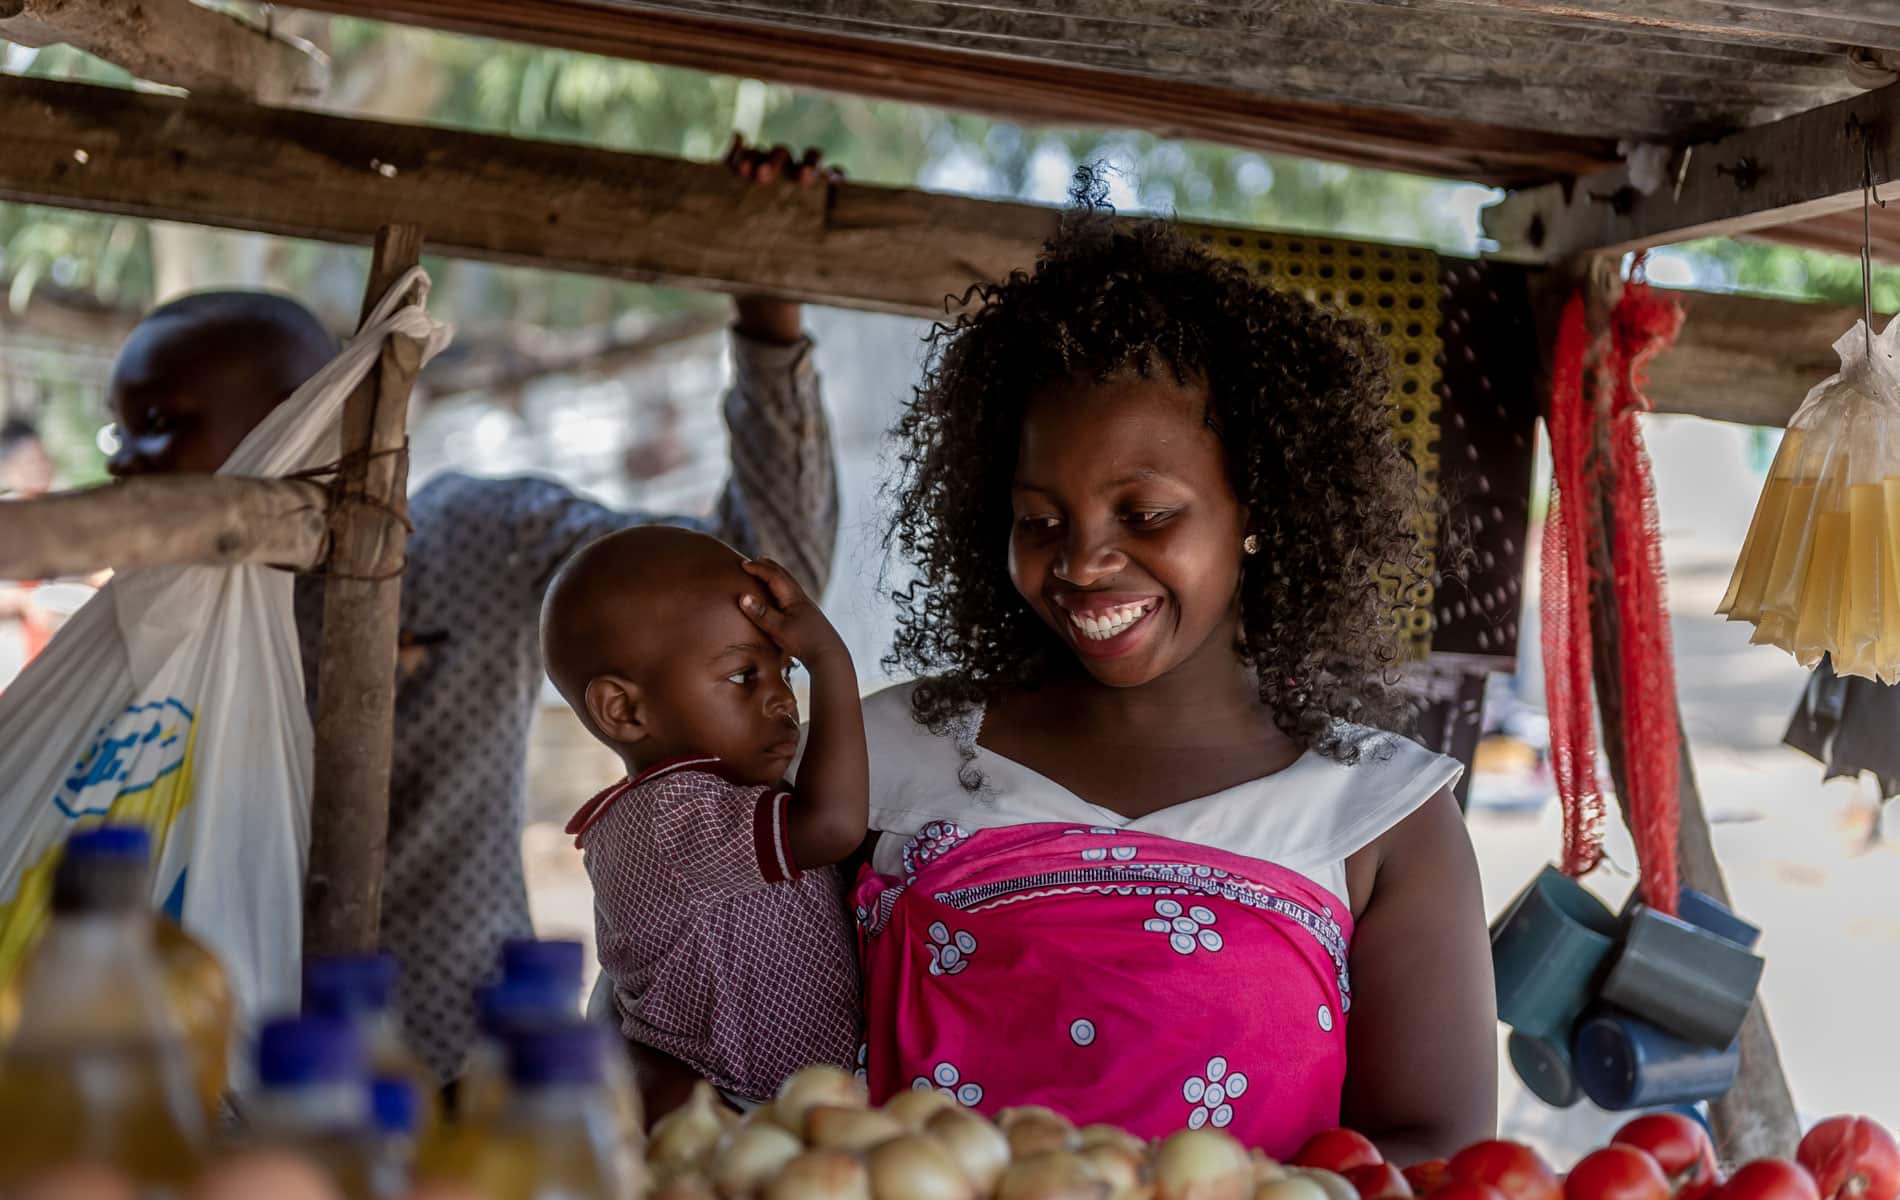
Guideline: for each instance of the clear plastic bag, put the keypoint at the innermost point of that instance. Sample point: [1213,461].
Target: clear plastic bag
[1819,572]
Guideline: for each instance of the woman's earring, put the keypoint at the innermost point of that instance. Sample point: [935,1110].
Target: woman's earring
[1250,544]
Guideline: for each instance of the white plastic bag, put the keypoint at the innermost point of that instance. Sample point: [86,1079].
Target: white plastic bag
[175,699]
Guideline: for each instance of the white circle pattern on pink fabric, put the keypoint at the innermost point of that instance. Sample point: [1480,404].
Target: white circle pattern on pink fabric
[1211,1094]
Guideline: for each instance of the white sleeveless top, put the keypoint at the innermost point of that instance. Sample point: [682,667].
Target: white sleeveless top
[1309,818]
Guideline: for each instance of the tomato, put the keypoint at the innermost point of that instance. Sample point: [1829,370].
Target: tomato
[1338,1150]
[1458,1189]
[1427,1177]
[1851,1158]
[1769,1179]
[1617,1173]
[1680,1146]
[1379,1181]
[1510,1167]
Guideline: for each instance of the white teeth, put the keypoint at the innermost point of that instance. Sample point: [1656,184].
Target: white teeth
[1103,624]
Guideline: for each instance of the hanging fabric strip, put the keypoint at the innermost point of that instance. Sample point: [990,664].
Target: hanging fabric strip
[1641,325]
[1564,602]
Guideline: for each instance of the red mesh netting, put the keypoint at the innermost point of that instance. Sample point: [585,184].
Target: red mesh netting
[1641,325]
[1564,605]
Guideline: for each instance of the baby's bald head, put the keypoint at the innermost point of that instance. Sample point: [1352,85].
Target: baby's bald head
[643,636]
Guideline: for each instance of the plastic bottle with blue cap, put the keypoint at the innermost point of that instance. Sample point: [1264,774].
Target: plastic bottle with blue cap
[395,1117]
[554,1137]
[361,989]
[98,1066]
[540,984]
[313,1098]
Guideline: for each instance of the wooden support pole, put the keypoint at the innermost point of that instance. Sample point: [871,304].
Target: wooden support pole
[214,520]
[175,42]
[356,662]
[1756,1118]
[1804,166]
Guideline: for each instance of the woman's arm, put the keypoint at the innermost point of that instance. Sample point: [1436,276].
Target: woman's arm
[1422,1073]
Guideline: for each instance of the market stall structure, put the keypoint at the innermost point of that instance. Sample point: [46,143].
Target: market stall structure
[1614,125]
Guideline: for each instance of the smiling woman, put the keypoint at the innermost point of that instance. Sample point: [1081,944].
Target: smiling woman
[1154,501]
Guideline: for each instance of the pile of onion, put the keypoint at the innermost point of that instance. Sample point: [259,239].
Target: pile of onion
[820,1139]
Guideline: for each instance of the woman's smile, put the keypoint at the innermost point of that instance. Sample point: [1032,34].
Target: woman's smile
[1107,624]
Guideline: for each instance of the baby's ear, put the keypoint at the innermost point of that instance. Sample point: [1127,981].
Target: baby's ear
[614,704]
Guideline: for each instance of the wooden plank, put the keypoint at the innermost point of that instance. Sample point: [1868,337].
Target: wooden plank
[1841,233]
[546,204]
[1505,29]
[356,659]
[1024,90]
[209,520]
[1738,22]
[1745,359]
[1804,166]
[175,42]
[1517,87]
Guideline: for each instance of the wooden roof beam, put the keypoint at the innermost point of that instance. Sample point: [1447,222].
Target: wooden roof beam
[175,42]
[1015,87]
[297,173]
[544,204]
[1804,166]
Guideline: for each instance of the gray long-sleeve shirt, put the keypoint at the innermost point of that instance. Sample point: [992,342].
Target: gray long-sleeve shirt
[478,563]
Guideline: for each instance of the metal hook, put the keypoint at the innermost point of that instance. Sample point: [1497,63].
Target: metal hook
[1869,196]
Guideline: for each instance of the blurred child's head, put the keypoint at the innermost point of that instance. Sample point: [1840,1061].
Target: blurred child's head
[643,635]
[198,374]
[1137,461]
[26,470]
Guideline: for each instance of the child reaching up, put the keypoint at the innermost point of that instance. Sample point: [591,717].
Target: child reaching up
[717,901]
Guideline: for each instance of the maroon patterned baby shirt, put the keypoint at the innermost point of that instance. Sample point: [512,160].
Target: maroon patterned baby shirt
[721,951]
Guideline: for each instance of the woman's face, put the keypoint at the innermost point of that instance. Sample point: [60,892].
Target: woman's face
[1127,534]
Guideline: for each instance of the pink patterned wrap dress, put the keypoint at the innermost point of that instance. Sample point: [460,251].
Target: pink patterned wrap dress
[1185,969]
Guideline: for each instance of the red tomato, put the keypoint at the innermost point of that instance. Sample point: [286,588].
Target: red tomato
[1769,1179]
[1339,1151]
[1617,1173]
[1510,1167]
[1458,1189]
[1679,1144]
[1851,1158]
[1379,1181]
[1427,1177]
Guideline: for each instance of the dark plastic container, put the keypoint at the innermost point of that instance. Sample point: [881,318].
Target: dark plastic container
[1682,978]
[1624,1063]
[1545,1068]
[1706,912]
[1548,949]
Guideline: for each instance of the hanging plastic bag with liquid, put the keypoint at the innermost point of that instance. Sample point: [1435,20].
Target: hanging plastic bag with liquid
[1819,572]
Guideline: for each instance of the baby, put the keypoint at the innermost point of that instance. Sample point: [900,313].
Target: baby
[717,900]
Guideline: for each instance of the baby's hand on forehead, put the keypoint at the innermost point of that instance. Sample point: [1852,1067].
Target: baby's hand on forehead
[790,618]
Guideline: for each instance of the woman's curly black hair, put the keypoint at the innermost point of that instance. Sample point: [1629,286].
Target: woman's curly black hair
[1298,401]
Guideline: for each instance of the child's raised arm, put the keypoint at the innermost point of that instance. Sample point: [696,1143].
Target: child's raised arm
[831,806]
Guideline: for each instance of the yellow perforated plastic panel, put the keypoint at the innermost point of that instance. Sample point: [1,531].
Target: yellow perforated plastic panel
[1395,292]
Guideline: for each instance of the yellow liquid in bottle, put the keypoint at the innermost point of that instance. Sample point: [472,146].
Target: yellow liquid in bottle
[110,1103]
[200,997]
[541,1165]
